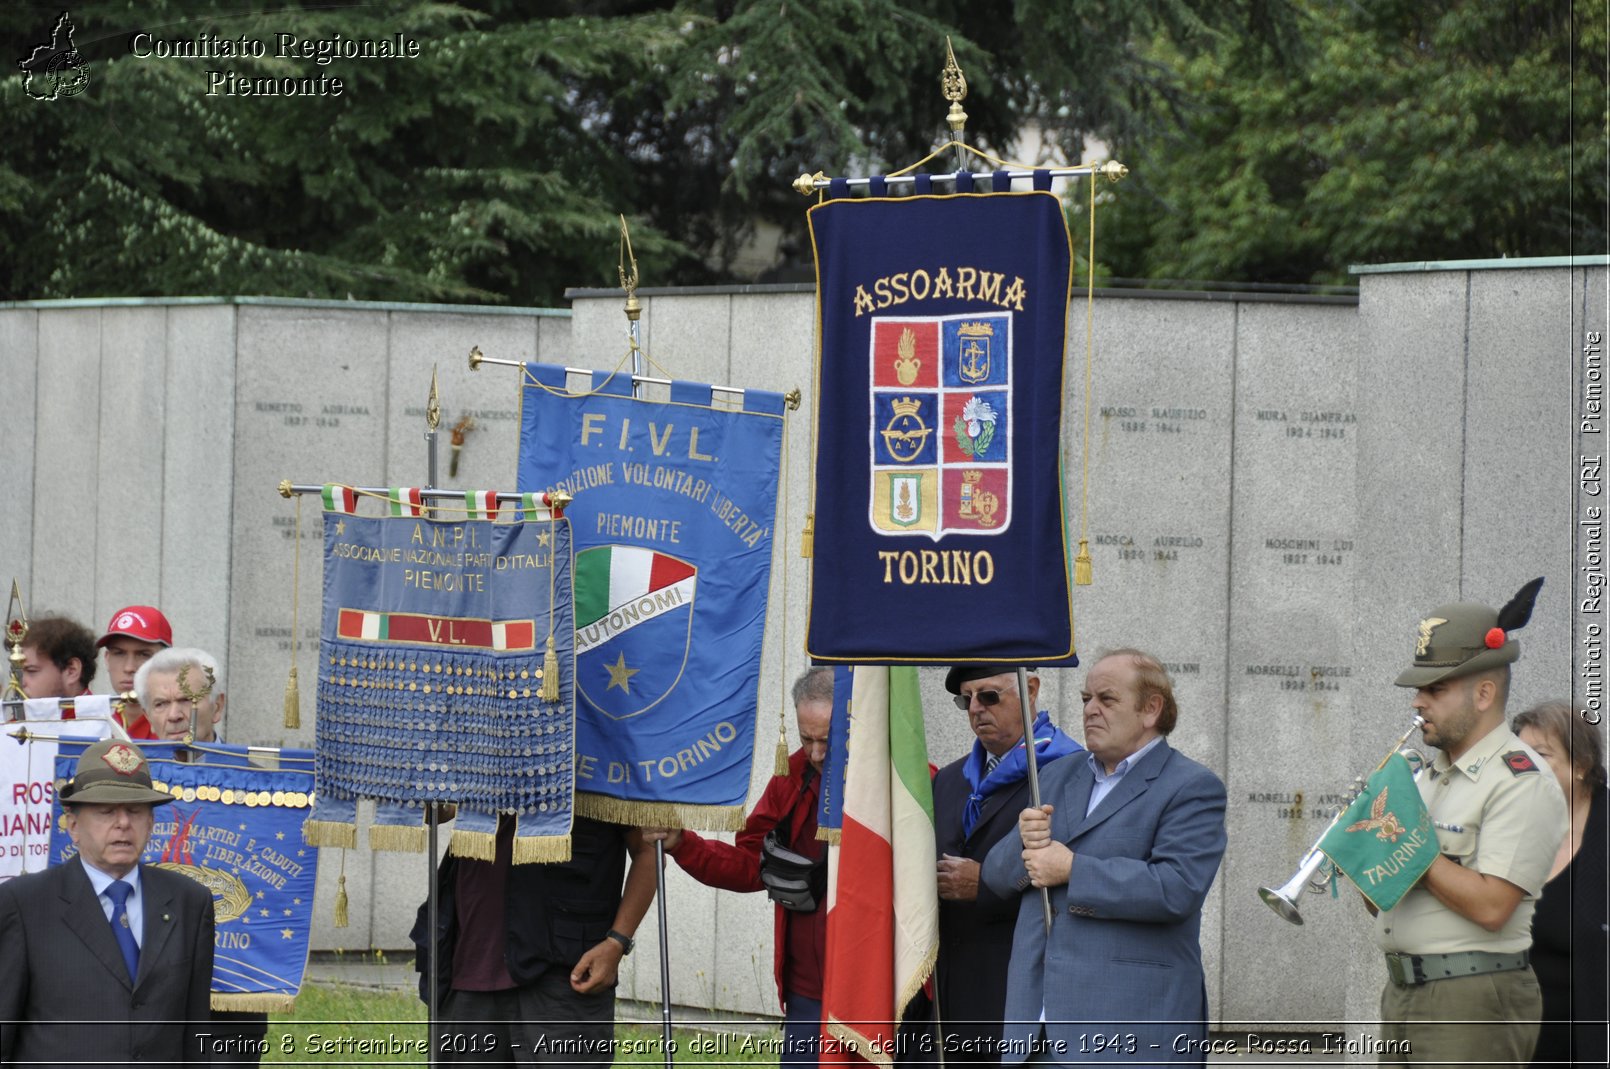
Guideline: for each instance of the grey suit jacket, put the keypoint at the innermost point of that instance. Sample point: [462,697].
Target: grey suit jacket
[1120,977]
[65,995]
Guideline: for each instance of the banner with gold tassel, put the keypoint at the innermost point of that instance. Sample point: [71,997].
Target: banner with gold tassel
[445,675]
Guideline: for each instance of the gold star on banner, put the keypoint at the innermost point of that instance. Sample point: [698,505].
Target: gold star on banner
[264,911]
[286,933]
[340,527]
[243,827]
[259,895]
[621,676]
[286,912]
[542,538]
[301,853]
[296,901]
[279,835]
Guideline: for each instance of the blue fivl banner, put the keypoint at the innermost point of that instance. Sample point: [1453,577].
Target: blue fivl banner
[830,799]
[445,675]
[674,508]
[235,828]
[939,527]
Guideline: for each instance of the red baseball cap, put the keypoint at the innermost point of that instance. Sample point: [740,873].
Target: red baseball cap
[143,622]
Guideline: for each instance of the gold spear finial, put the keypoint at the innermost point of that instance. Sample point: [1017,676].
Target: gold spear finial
[953,83]
[194,697]
[629,278]
[16,632]
[433,406]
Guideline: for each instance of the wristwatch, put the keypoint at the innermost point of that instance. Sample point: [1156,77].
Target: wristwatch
[626,941]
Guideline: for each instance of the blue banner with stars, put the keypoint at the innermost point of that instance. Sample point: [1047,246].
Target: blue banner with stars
[235,827]
[675,502]
[939,526]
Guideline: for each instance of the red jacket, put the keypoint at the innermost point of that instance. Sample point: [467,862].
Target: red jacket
[736,866]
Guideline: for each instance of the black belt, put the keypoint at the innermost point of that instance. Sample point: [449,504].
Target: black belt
[1408,969]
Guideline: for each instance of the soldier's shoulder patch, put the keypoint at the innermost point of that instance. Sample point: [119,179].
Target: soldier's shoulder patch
[1518,761]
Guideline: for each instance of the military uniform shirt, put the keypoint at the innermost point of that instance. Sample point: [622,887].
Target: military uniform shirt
[1495,815]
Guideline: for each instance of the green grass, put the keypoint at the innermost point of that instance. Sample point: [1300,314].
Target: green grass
[335,1024]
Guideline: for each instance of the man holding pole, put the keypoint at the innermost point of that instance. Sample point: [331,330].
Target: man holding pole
[976,802]
[1128,841]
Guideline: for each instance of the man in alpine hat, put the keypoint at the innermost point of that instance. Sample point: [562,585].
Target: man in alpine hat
[107,961]
[1459,988]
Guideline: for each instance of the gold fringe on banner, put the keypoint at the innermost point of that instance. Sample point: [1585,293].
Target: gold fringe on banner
[343,914]
[330,833]
[293,701]
[659,814]
[832,836]
[264,1002]
[475,845]
[403,838]
[779,765]
[541,849]
[807,540]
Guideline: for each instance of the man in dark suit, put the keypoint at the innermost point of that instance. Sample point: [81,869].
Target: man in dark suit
[106,961]
[1128,842]
[976,801]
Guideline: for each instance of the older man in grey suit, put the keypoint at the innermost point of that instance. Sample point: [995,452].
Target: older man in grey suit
[1128,842]
[105,960]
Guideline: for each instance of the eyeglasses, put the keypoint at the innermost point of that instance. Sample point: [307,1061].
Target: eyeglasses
[987,698]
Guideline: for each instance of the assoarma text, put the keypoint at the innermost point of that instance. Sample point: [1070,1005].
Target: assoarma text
[942,567]
[968,284]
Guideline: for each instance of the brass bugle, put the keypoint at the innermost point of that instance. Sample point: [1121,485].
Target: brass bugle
[1283,899]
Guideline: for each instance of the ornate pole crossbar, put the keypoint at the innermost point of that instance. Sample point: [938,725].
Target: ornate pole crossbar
[791,398]
[555,501]
[1112,170]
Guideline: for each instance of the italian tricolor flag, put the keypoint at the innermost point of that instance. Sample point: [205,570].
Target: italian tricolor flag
[405,501]
[338,498]
[882,901]
[481,504]
[611,576]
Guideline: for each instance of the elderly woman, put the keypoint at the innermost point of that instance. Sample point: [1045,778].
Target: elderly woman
[1569,927]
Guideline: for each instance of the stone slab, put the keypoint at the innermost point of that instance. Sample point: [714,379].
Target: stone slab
[196,466]
[1290,674]
[67,514]
[308,410]
[19,369]
[130,491]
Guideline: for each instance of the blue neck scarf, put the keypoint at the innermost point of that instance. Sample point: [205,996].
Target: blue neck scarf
[1050,743]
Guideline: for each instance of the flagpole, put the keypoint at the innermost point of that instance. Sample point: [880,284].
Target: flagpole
[629,277]
[1024,704]
[433,418]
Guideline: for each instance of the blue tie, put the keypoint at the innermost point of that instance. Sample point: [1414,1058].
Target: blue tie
[119,892]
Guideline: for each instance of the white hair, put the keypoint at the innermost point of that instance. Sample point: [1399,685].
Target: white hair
[170,662]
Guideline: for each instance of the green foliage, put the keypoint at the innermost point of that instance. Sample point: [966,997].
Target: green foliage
[1407,131]
[1276,140]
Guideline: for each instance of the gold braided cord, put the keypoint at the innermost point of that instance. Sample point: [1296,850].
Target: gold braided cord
[1090,350]
[942,149]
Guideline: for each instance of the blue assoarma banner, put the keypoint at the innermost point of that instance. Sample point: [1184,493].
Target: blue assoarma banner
[674,508]
[940,533]
[235,827]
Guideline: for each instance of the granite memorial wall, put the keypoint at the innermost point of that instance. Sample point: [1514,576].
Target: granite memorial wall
[1279,488]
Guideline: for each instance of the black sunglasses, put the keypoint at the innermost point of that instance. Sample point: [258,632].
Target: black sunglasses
[986,698]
